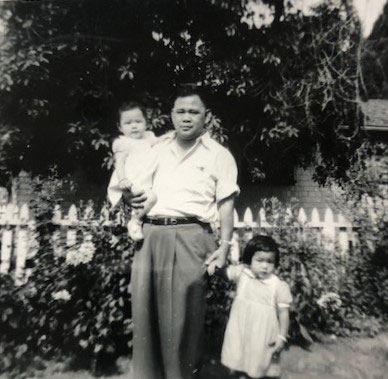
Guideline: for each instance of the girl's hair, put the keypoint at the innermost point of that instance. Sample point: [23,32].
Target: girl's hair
[129,105]
[260,243]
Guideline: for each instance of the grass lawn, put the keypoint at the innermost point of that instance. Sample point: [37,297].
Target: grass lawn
[343,358]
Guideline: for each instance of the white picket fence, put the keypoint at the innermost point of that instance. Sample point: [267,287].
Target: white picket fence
[16,225]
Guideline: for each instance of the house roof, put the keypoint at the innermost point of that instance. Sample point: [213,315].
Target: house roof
[376,114]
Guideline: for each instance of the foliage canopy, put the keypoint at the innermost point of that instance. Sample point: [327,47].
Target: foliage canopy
[281,80]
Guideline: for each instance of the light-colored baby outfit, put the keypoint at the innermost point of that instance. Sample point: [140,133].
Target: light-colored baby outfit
[139,166]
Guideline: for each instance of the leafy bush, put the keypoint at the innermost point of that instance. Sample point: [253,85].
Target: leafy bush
[364,201]
[76,302]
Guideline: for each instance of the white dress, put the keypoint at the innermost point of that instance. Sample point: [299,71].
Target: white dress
[140,163]
[253,323]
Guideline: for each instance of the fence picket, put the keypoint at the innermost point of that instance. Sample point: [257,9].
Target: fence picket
[6,250]
[248,218]
[302,217]
[21,253]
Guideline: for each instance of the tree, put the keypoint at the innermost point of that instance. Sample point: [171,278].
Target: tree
[375,60]
[282,80]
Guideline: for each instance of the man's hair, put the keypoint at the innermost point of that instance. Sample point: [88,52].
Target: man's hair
[189,89]
[260,243]
[130,105]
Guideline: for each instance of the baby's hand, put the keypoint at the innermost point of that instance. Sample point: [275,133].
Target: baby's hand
[125,184]
[136,190]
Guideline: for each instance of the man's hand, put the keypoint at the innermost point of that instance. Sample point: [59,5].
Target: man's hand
[136,198]
[217,260]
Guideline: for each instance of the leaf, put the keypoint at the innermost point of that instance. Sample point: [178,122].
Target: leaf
[305,334]
[97,348]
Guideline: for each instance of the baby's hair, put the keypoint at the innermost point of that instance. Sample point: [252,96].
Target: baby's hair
[130,105]
[260,243]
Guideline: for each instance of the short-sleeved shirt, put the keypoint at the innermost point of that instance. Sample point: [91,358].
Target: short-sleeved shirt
[192,185]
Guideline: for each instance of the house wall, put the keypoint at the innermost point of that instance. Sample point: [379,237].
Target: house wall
[306,191]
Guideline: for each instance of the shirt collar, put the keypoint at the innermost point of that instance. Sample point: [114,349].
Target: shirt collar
[271,279]
[205,139]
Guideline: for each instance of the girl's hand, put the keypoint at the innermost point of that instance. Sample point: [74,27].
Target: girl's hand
[278,345]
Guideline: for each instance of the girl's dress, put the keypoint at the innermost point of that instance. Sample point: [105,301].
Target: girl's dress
[253,323]
[139,166]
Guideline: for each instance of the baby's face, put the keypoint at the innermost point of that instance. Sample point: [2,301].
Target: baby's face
[263,264]
[133,123]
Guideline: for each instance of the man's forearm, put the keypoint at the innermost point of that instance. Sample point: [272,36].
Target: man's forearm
[226,216]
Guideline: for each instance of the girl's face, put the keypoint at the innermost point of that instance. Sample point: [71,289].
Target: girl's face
[133,123]
[263,264]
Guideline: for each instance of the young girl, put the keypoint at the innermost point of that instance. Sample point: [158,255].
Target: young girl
[134,163]
[258,324]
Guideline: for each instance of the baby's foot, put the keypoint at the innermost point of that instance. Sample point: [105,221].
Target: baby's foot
[135,229]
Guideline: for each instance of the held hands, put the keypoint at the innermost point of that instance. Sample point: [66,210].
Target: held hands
[218,259]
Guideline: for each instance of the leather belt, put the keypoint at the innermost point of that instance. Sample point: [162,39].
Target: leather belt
[173,221]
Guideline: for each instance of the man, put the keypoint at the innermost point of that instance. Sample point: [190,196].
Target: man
[195,177]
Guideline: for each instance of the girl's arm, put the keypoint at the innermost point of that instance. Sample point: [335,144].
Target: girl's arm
[284,323]
[284,300]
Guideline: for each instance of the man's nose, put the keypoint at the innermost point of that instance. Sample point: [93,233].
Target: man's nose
[186,117]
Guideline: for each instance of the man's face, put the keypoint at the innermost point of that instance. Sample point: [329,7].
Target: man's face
[188,117]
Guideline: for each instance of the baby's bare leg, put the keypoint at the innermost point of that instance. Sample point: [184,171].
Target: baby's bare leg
[135,223]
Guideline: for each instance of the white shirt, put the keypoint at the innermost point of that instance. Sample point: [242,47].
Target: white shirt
[192,185]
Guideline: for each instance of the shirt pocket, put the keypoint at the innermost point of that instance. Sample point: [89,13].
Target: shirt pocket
[204,178]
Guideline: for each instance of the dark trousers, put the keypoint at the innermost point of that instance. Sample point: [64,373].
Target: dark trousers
[168,300]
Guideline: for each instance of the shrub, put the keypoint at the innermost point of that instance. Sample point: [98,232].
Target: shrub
[364,201]
[76,302]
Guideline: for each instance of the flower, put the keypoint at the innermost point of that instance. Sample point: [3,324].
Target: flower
[329,300]
[61,295]
[83,255]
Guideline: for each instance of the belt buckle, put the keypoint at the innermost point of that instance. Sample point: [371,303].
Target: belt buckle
[173,221]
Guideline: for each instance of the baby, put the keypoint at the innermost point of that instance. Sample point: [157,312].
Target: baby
[134,163]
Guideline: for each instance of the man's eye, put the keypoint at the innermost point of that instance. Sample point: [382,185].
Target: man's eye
[193,112]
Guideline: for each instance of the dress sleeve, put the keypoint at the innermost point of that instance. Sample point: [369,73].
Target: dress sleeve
[226,173]
[121,145]
[233,272]
[284,297]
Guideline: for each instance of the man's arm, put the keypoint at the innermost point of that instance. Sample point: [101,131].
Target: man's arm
[218,258]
